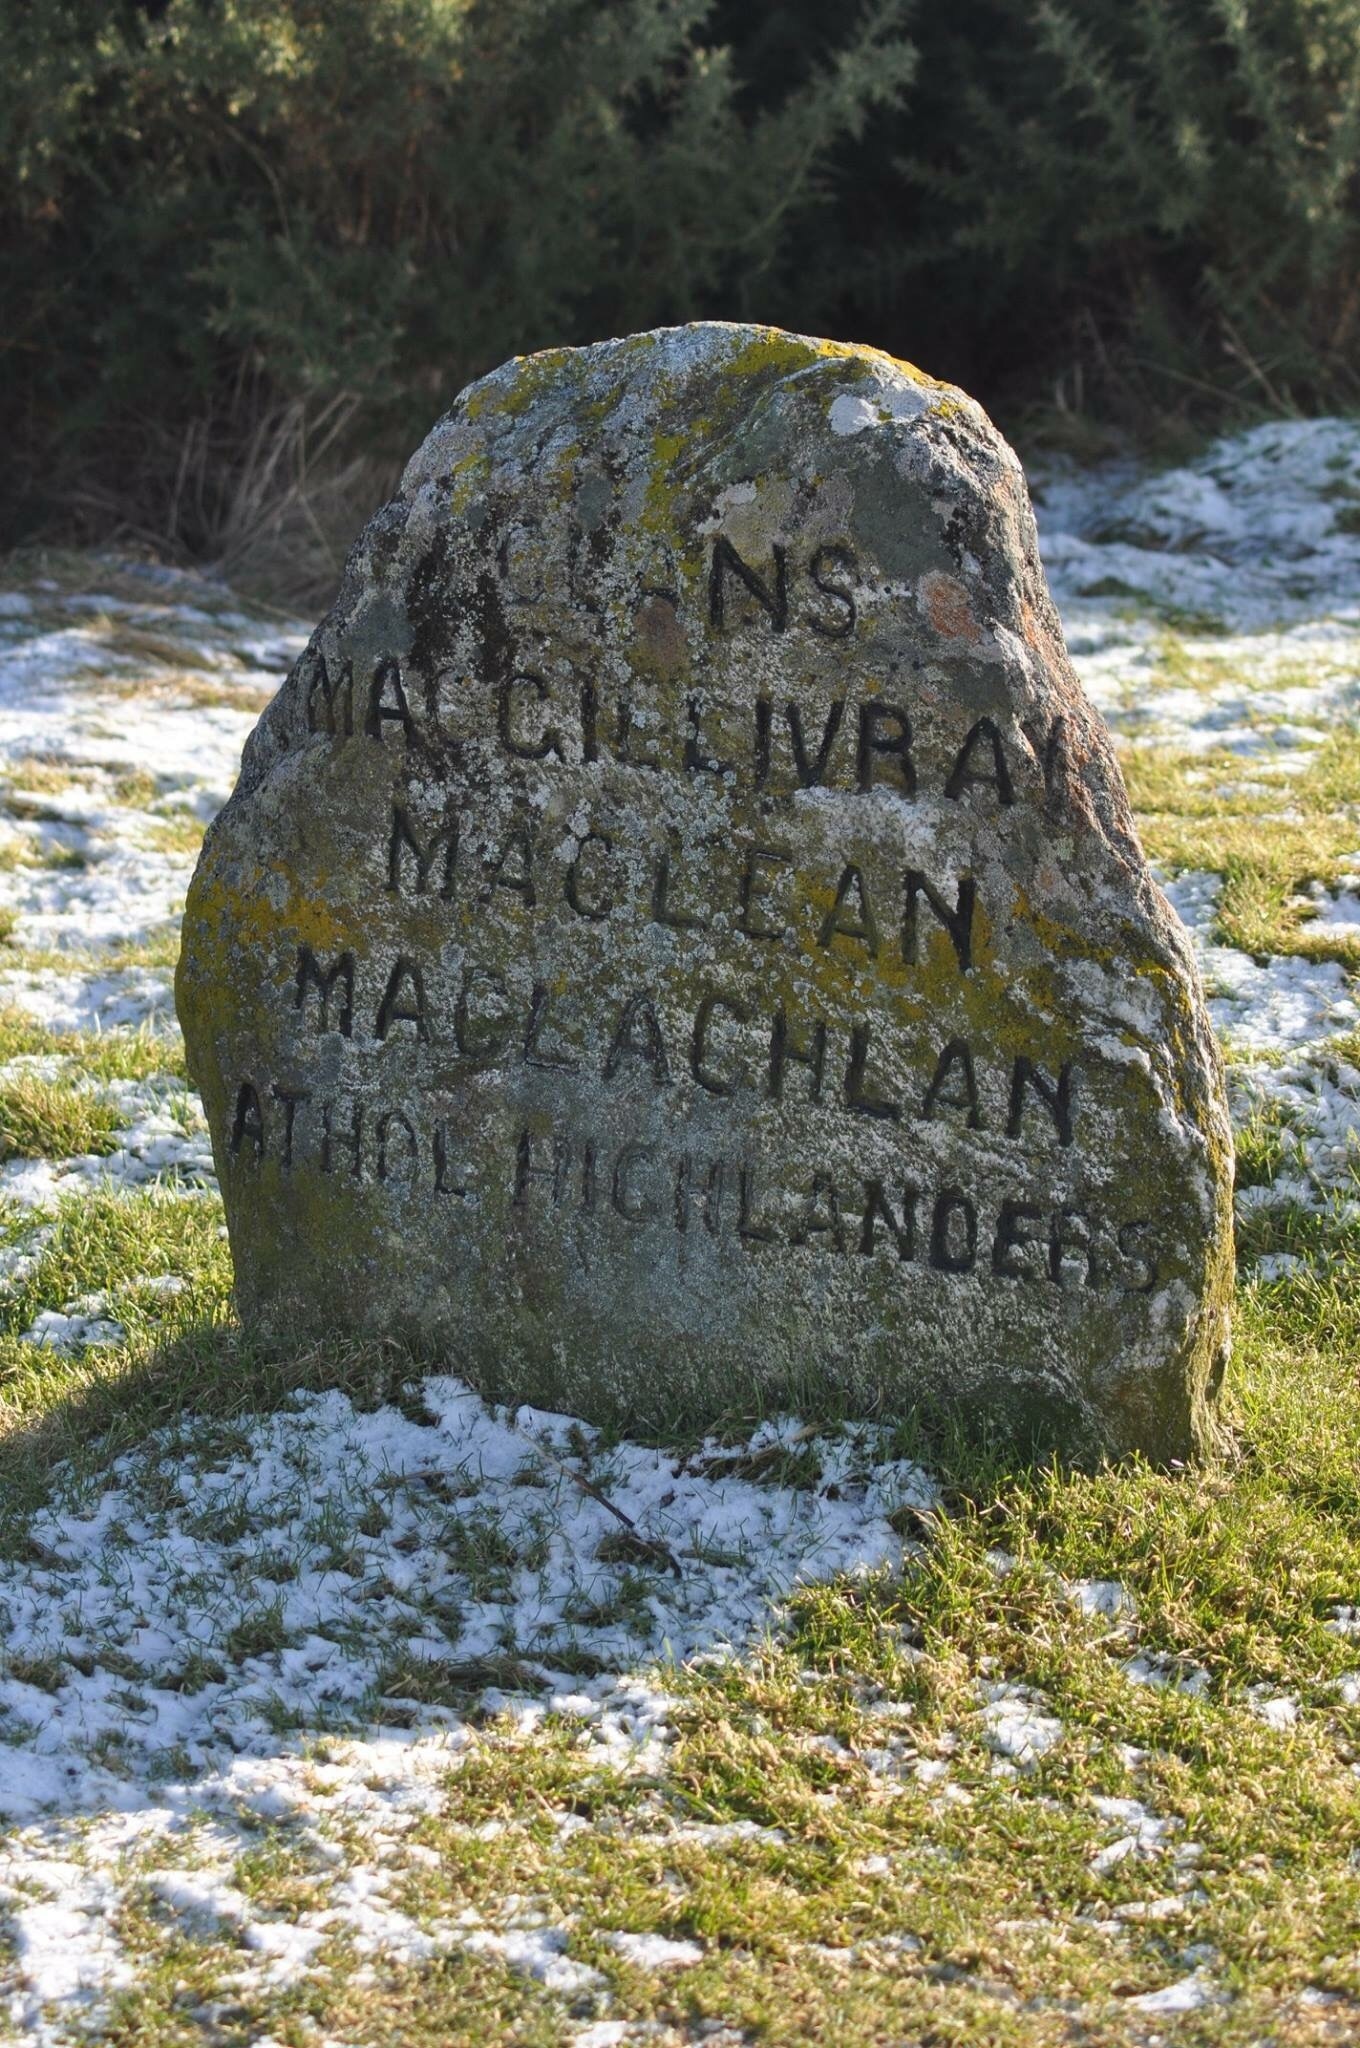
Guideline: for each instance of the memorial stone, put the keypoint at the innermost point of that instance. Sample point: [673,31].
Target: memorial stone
[679,942]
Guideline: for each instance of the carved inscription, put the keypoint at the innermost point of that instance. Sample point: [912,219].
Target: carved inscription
[680,939]
[750,894]
[546,714]
[948,1230]
[782,744]
[755,890]
[726,1046]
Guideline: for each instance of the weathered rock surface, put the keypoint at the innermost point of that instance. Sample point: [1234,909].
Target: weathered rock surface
[679,940]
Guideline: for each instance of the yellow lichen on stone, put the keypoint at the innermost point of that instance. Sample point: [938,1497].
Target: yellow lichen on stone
[747,1002]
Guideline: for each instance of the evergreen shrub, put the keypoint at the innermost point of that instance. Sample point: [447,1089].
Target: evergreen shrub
[223,215]
[1167,188]
[250,248]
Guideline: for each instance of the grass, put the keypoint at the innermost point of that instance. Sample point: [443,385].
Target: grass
[1014,1924]
[880,1873]
[182,833]
[1268,847]
[186,689]
[109,1056]
[45,1120]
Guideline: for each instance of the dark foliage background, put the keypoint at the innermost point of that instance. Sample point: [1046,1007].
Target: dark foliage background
[249,249]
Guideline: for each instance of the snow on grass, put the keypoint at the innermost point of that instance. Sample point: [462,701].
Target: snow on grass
[1134,1833]
[67,1954]
[1016,1726]
[300,1622]
[1288,1010]
[65,1886]
[654,1951]
[1174,1673]
[194,1624]
[1216,605]
[1316,1101]
[160,1136]
[114,999]
[1271,1006]
[1105,1598]
[332,1562]
[83,1323]
[1253,535]
[1186,1994]
[118,721]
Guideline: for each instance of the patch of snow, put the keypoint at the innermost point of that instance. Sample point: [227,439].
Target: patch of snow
[1106,1598]
[1187,1994]
[1279,1265]
[1139,1835]
[654,1951]
[1247,535]
[164,1582]
[1016,1726]
[166,1284]
[117,998]
[67,1953]
[19,1261]
[164,1140]
[110,901]
[1340,912]
[137,713]
[1169,1907]
[81,1326]
[1171,1674]
[538,1952]
[1277,1006]
[1194,895]
[1315,1100]
[1277,1710]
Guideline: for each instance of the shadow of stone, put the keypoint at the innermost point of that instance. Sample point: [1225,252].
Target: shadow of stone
[212,1370]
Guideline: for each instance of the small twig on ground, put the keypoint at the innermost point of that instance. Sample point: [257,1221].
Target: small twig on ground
[650,1546]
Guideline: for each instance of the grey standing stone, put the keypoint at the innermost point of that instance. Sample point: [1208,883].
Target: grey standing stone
[679,941]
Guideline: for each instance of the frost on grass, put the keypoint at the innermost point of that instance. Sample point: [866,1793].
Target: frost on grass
[301,1623]
[332,1565]
[326,1569]
[1249,554]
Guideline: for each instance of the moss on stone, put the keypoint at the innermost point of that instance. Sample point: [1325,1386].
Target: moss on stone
[580,1168]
